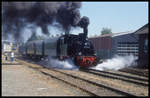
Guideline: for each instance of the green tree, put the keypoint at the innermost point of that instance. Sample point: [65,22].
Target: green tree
[106,31]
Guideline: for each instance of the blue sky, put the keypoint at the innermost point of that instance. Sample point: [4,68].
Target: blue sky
[118,16]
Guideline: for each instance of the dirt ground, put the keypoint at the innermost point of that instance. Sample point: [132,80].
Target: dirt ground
[19,80]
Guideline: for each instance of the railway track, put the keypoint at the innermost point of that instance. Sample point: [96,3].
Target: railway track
[87,85]
[120,76]
[135,71]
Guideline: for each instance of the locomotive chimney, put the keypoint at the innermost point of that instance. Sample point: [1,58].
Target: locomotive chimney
[83,23]
[85,30]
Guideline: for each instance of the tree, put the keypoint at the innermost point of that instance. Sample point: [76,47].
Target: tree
[106,31]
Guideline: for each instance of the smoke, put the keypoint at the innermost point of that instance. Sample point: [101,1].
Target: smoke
[55,63]
[116,63]
[18,15]
[84,22]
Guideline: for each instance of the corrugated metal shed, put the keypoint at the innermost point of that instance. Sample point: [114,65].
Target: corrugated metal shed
[125,44]
[107,45]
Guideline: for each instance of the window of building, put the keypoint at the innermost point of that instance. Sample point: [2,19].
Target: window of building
[127,48]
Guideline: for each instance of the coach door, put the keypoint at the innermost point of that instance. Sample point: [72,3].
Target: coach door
[63,47]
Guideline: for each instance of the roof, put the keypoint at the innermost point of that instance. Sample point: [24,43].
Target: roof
[114,34]
[121,33]
[143,30]
[105,35]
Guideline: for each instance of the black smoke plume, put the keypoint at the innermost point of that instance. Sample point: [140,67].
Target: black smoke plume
[18,15]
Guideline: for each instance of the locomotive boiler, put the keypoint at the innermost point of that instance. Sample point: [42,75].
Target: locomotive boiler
[77,47]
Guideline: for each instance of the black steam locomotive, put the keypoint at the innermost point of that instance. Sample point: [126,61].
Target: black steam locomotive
[77,47]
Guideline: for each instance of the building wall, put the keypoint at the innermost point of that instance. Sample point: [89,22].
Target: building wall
[7,47]
[125,45]
[143,50]
[143,46]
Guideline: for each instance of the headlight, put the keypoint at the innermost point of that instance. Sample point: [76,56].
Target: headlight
[80,53]
[94,53]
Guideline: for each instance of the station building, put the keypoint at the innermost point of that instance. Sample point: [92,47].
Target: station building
[8,46]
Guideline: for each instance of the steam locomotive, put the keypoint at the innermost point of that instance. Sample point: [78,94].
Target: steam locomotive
[66,46]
